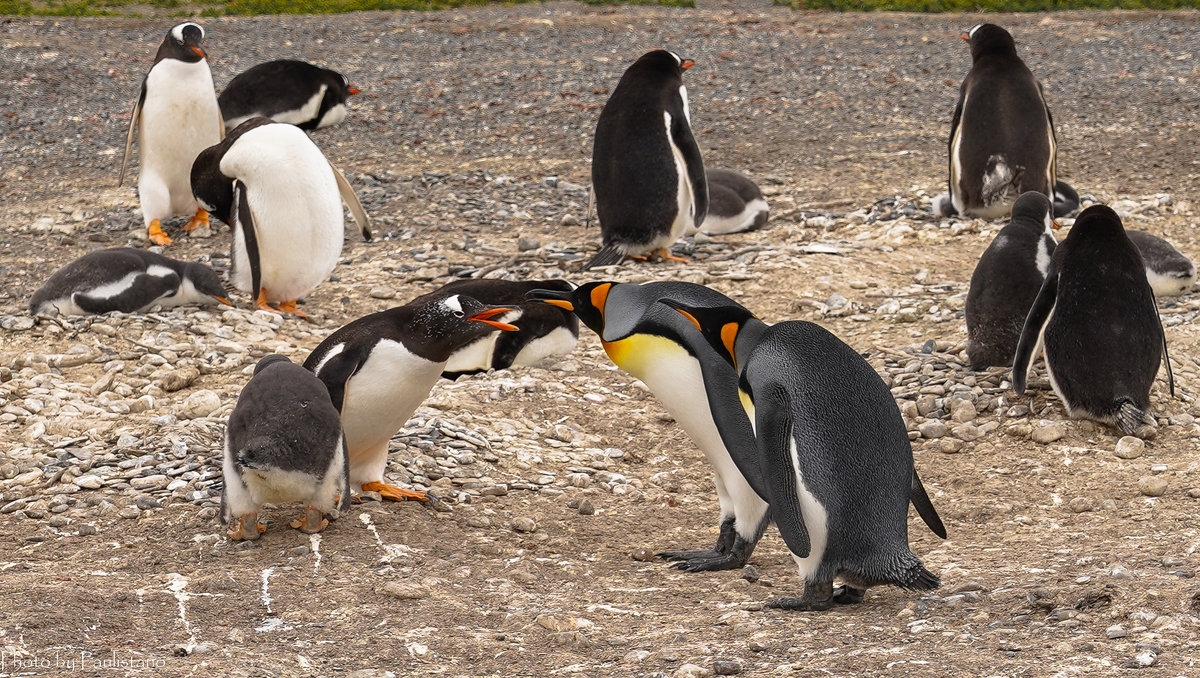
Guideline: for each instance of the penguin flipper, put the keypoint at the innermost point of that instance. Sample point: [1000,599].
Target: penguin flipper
[1166,358]
[133,122]
[336,372]
[351,200]
[1031,332]
[954,123]
[774,414]
[243,222]
[607,256]
[142,292]
[1065,198]
[920,501]
[681,134]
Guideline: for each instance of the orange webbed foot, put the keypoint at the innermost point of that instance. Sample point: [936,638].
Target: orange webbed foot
[290,307]
[261,304]
[312,522]
[666,254]
[198,221]
[157,235]
[247,527]
[394,493]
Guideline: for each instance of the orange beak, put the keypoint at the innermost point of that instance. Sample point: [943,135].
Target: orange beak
[223,300]
[561,303]
[199,51]
[1055,225]
[687,63]
[966,36]
[353,90]
[483,316]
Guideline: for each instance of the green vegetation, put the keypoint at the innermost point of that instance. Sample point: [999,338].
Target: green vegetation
[254,7]
[984,5]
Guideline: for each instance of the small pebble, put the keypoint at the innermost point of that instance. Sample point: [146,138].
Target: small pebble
[586,508]
[524,524]
[405,590]
[1152,486]
[1081,505]
[1129,447]
[1048,431]
[726,667]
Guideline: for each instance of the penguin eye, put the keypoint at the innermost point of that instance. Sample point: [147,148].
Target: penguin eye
[459,314]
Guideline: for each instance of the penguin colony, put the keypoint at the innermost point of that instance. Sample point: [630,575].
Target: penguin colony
[800,431]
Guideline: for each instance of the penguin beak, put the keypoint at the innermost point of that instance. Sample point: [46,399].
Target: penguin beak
[1055,225]
[483,316]
[687,63]
[200,51]
[966,36]
[353,90]
[223,300]
[552,297]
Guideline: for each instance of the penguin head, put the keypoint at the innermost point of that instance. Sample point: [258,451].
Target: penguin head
[587,302]
[719,325]
[1097,220]
[445,324]
[269,360]
[343,84]
[986,38]
[183,42]
[201,282]
[664,60]
[1034,208]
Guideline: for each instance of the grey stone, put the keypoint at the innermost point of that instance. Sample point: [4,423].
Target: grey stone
[1046,432]
[1152,486]
[932,429]
[524,524]
[1129,447]
[200,404]
[586,508]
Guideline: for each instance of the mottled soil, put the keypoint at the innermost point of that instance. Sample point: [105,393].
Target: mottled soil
[1057,563]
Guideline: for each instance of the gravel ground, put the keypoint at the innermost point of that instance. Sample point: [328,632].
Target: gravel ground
[1071,551]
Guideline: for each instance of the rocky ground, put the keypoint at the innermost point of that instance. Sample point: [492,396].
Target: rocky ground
[1070,551]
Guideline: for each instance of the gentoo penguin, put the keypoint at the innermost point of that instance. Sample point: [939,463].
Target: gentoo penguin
[658,346]
[1096,318]
[735,203]
[176,116]
[647,173]
[128,280]
[1002,135]
[833,450]
[542,331]
[1006,280]
[1168,271]
[379,368]
[286,90]
[283,200]
[283,443]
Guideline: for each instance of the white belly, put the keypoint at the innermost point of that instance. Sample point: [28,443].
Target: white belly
[383,394]
[179,119]
[685,217]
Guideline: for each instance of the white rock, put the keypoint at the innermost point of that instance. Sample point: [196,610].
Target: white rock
[200,404]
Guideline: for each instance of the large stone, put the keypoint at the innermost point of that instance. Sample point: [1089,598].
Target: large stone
[200,404]
[1048,431]
[1129,447]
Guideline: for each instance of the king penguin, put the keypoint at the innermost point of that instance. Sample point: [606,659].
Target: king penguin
[283,200]
[379,368]
[647,173]
[128,280]
[833,450]
[286,90]
[658,346]
[283,443]
[1002,140]
[735,203]
[1006,280]
[1097,320]
[176,116]
[1169,272]
[542,330]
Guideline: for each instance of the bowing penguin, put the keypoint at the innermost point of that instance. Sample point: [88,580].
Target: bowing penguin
[286,90]
[658,346]
[176,116]
[283,443]
[128,280]
[543,330]
[379,368]
[1007,280]
[833,451]
[1096,318]
[735,203]
[1169,272]
[1002,140]
[647,173]
[283,200]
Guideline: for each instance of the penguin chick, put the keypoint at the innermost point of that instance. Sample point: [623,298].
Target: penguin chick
[1169,272]
[543,330]
[662,349]
[1007,280]
[647,172]
[834,452]
[379,368]
[286,90]
[283,200]
[1096,318]
[735,203]
[283,443]
[128,280]
[176,116]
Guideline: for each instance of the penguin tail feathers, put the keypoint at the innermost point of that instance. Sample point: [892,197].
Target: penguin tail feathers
[607,256]
[917,578]
[920,501]
[260,453]
[1129,417]
[997,179]
[1066,199]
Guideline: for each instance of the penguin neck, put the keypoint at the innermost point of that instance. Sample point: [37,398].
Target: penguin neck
[748,337]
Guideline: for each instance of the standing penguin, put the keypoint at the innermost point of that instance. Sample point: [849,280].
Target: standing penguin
[833,450]
[125,279]
[1169,272]
[1096,318]
[283,443]
[177,116]
[647,172]
[658,346]
[283,201]
[1002,140]
[379,368]
[543,330]
[735,203]
[1007,280]
[286,90]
